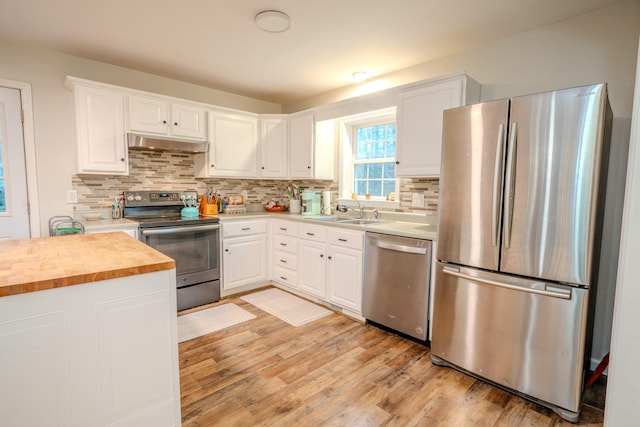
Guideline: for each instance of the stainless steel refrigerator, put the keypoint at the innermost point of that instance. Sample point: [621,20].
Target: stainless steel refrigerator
[520,217]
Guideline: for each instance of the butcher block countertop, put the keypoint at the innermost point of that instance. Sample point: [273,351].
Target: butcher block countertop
[38,264]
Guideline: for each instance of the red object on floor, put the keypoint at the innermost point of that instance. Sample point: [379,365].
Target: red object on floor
[601,367]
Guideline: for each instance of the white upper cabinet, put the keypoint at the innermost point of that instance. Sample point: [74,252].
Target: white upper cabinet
[100,130]
[233,147]
[157,116]
[274,146]
[301,146]
[419,123]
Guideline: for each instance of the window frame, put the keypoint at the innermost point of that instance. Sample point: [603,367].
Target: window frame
[348,127]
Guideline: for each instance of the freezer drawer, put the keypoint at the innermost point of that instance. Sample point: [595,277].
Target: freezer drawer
[526,335]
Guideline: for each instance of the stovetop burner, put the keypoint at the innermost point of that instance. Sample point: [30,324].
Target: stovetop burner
[161,209]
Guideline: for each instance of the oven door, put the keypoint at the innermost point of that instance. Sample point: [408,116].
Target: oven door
[195,249]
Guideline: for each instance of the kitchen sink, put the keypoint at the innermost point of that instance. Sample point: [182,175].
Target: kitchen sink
[358,221]
[327,218]
[343,220]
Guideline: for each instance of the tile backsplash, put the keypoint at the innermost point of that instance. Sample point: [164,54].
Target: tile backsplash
[152,170]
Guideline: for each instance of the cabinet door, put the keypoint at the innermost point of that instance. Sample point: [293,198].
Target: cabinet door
[419,127]
[301,146]
[344,277]
[188,121]
[312,267]
[244,260]
[233,149]
[148,115]
[273,148]
[100,131]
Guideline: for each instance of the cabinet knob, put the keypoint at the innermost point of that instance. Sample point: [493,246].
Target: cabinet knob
[122,159]
[262,167]
[212,165]
[308,167]
[329,257]
[175,123]
[164,122]
[226,250]
[397,162]
[321,255]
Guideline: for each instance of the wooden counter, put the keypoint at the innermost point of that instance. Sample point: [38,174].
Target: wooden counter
[30,265]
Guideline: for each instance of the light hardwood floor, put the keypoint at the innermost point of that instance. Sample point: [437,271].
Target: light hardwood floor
[337,372]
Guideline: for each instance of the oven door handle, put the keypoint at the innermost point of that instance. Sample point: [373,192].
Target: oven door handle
[174,230]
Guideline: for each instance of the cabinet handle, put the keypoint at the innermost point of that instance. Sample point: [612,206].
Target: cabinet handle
[283,278]
[283,244]
[310,234]
[342,240]
[246,229]
[283,229]
[284,261]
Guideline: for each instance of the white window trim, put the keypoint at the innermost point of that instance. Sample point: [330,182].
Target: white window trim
[347,125]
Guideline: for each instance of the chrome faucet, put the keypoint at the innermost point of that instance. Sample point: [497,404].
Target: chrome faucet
[345,208]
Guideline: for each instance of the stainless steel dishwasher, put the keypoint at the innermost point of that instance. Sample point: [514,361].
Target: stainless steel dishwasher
[396,283]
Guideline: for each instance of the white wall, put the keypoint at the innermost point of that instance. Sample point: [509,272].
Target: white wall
[596,47]
[54,115]
[623,391]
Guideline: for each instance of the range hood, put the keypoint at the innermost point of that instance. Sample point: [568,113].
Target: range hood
[157,143]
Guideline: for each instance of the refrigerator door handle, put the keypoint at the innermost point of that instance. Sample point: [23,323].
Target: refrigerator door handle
[497,187]
[557,293]
[509,190]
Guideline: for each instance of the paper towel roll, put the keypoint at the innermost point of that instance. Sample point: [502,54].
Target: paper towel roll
[326,203]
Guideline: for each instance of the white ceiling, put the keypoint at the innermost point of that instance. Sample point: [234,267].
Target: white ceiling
[215,43]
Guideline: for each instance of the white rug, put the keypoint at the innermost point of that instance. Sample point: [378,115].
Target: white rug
[212,319]
[285,306]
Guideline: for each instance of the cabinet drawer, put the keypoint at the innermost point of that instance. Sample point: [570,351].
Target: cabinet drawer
[346,238]
[242,228]
[288,228]
[316,233]
[285,243]
[285,276]
[285,259]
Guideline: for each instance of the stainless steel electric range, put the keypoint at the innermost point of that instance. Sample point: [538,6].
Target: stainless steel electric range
[193,242]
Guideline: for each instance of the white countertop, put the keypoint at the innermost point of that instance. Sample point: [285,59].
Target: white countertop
[398,224]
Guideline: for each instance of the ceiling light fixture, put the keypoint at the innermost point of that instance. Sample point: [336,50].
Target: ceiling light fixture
[273,21]
[359,76]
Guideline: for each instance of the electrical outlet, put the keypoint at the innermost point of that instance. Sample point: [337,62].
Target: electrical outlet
[417,200]
[72,196]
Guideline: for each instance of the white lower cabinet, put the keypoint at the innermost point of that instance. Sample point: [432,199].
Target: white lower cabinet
[285,252]
[312,265]
[96,354]
[344,275]
[330,264]
[244,253]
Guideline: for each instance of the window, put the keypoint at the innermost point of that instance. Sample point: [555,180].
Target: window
[369,155]
[374,160]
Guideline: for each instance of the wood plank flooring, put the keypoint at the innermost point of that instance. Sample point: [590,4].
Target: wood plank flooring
[337,372]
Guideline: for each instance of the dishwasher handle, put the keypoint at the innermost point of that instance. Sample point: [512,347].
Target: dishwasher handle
[399,248]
